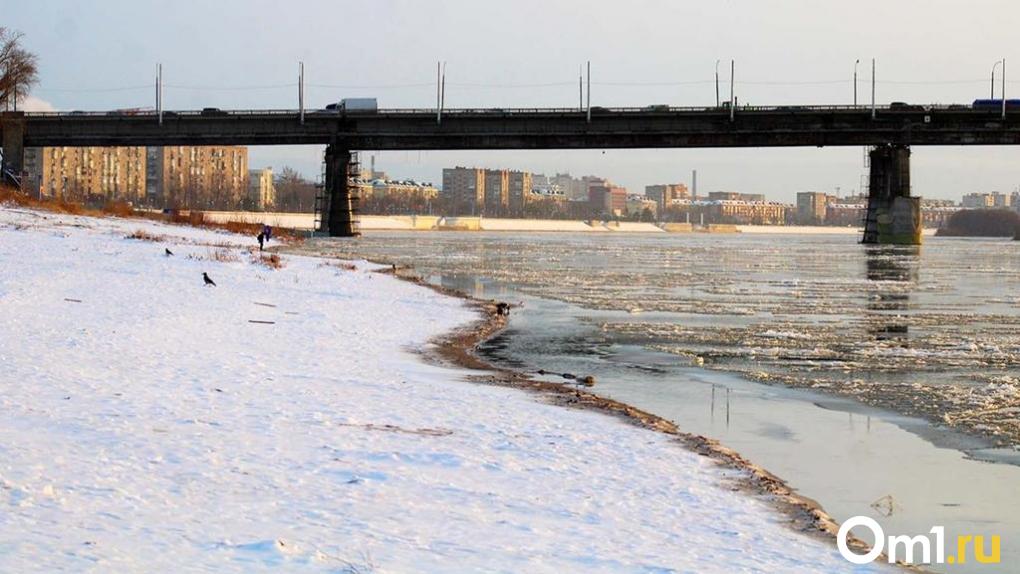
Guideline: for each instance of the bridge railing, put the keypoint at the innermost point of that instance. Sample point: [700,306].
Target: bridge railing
[657,109]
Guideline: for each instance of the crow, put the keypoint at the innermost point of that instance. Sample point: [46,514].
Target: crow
[208,281]
[168,252]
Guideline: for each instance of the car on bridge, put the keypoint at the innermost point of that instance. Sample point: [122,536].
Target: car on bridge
[995,104]
[905,107]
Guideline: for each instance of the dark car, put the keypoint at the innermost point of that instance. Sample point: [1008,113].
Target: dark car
[213,112]
[905,107]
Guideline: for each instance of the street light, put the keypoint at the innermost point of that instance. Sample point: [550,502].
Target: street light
[995,65]
[858,61]
[717,83]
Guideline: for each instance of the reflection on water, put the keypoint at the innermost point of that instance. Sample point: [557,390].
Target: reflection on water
[897,264]
[687,326]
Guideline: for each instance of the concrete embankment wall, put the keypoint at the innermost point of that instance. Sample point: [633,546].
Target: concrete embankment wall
[433,222]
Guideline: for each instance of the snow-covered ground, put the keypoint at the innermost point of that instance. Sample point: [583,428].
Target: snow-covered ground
[147,425]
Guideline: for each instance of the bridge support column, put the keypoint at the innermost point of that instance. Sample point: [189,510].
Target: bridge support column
[340,217]
[893,216]
[14,146]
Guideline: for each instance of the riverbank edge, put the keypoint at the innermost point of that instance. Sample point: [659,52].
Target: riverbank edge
[458,348]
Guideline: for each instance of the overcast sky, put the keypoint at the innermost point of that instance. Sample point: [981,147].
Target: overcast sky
[101,55]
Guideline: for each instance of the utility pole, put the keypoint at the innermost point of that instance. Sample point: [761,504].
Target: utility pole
[991,93]
[301,91]
[858,61]
[159,93]
[580,89]
[589,91]
[733,100]
[439,112]
[717,83]
[1004,88]
[442,90]
[873,88]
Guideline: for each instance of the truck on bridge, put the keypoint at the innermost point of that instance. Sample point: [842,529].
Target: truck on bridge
[355,105]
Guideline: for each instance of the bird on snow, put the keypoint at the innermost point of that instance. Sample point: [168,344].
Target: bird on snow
[208,281]
[168,252]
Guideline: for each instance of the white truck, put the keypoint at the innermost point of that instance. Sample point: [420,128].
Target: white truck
[355,105]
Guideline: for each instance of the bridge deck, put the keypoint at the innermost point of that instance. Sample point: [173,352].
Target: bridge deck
[552,128]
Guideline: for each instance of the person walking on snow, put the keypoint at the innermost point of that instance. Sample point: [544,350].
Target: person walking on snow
[261,237]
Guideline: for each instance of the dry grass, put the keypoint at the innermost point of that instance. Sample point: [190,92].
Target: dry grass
[143,235]
[218,255]
[270,260]
[339,265]
[118,209]
[193,218]
[10,195]
[241,227]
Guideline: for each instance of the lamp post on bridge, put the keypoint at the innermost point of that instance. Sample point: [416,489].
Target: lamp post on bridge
[858,61]
[995,65]
[873,113]
[717,83]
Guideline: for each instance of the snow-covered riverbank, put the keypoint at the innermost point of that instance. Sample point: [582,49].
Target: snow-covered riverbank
[148,424]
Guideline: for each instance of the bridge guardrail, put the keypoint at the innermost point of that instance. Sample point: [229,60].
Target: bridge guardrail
[510,111]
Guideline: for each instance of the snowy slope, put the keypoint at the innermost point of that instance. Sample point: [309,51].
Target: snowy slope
[152,427]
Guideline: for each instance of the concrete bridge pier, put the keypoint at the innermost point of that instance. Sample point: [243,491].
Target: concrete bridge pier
[341,206]
[13,127]
[893,216]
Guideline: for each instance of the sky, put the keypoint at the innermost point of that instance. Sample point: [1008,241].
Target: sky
[102,55]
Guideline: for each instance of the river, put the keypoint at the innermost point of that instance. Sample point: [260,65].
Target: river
[876,380]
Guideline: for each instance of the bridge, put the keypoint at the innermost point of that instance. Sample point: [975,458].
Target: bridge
[893,216]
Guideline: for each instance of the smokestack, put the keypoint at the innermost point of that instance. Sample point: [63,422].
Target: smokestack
[694,184]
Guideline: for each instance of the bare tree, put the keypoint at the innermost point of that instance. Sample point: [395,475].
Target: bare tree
[294,192]
[18,69]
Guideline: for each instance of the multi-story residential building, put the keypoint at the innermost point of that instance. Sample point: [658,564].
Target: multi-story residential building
[87,174]
[464,189]
[393,196]
[261,192]
[497,192]
[572,188]
[749,212]
[197,177]
[734,212]
[520,185]
[638,204]
[735,196]
[665,194]
[607,199]
[850,214]
[392,188]
[991,200]
[811,207]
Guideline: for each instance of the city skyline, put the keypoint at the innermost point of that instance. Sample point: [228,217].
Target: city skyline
[634,57]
